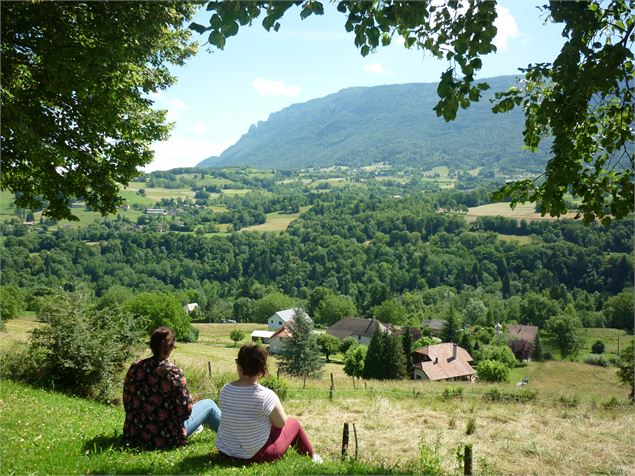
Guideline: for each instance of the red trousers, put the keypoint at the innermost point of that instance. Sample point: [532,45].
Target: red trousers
[292,434]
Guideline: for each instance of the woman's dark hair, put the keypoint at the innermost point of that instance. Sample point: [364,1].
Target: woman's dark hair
[253,360]
[162,342]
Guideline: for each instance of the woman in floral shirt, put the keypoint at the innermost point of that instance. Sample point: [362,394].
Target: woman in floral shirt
[159,411]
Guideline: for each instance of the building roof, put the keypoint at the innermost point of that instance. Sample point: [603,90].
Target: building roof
[262,334]
[442,364]
[434,324]
[527,333]
[355,327]
[287,314]
[281,333]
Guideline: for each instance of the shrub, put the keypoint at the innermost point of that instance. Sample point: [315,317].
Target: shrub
[348,343]
[493,371]
[237,335]
[162,309]
[498,353]
[521,349]
[354,361]
[471,426]
[518,396]
[452,392]
[598,360]
[571,401]
[80,349]
[597,347]
[277,384]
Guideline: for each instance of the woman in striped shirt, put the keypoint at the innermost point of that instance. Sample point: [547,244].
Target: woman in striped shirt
[254,427]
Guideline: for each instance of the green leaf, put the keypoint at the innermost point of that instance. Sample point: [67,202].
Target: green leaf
[198,28]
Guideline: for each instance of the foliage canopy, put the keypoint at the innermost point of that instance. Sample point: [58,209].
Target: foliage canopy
[76,118]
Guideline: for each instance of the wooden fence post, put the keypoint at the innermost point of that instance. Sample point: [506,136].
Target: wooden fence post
[365,387]
[467,460]
[355,435]
[304,382]
[353,382]
[209,368]
[345,441]
[332,388]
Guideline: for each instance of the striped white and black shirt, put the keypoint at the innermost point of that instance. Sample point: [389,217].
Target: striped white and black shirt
[244,424]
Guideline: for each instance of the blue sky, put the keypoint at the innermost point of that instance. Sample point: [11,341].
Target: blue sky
[219,94]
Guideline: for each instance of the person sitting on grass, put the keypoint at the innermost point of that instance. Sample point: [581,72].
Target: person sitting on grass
[159,410]
[253,425]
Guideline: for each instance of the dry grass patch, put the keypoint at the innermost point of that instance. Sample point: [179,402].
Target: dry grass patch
[277,221]
[526,211]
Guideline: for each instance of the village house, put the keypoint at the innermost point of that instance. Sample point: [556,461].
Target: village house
[360,329]
[278,340]
[446,361]
[280,318]
[526,333]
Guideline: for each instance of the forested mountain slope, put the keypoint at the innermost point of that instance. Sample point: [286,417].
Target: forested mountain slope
[394,124]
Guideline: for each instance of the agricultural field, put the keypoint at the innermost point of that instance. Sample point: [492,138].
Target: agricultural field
[525,211]
[277,221]
[578,422]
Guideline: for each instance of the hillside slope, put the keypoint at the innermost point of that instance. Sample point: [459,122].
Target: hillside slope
[394,124]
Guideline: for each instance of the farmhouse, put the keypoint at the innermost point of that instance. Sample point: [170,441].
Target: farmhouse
[263,336]
[517,331]
[280,318]
[190,307]
[445,361]
[277,340]
[360,329]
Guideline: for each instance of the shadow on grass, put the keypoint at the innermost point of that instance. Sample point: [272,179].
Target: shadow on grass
[101,443]
[198,463]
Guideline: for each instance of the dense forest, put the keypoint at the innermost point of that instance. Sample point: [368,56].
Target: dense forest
[393,257]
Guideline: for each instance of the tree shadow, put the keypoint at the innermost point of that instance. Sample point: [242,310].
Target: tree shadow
[101,443]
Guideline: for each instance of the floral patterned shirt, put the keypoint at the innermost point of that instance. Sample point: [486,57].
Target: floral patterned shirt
[157,402]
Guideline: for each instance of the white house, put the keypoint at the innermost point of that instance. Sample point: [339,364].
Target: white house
[190,307]
[280,318]
[278,340]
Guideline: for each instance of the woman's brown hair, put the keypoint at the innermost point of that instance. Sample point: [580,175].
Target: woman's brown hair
[162,342]
[253,360]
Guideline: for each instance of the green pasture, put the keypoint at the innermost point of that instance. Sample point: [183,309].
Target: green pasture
[277,221]
[571,427]
[442,170]
[518,239]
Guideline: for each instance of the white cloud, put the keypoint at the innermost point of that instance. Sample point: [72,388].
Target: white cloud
[199,128]
[375,68]
[178,152]
[177,104]
[267,87]
[507,27]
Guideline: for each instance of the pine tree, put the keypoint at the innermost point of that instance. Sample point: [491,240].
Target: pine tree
[374,364]
[396,361]
[452,327]
[537,352]
[301,355]
[407,348]
[466,342]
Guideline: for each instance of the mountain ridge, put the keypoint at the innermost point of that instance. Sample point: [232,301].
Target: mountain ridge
[394,124]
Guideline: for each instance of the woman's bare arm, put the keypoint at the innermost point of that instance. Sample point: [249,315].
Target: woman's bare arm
[278,417]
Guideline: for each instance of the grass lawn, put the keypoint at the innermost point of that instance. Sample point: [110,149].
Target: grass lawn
[45,432]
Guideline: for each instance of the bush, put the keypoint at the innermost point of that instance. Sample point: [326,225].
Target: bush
[597,347]
[347,343]
[493,371]
[277,384]
[80,349]
[519,396]
[498,353]
[162,309]
[598,360]
[452,392]
[471,426]
[571,401]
